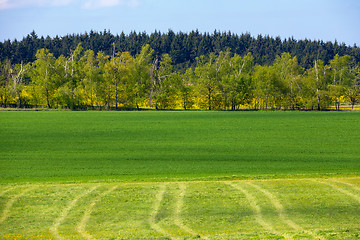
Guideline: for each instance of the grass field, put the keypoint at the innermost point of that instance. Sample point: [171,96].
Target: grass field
[179,175]
[243,209]
[81,146]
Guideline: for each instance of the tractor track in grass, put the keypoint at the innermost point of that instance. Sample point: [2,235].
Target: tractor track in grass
[156,207]
[65,212]
[353,186]
[7,209]
[81,227]
[255,207]
[178,208]
[8,189]
[247,187]
[280,210]
[339,189]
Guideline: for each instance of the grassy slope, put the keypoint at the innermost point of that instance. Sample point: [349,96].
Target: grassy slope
[63,146]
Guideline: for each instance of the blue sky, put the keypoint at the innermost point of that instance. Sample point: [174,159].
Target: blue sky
[325,20]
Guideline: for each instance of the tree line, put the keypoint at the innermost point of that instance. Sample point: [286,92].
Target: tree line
[183,48]
[218,80]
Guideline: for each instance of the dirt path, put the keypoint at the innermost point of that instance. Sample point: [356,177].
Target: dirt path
[65,212]
[81,227]
[7,209]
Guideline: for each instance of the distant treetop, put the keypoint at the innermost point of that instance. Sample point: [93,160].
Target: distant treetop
[183,48]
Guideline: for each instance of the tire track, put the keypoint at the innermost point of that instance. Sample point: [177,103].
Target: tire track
[178,207]
[9,204]
[81,227]
[255,207]
[339,189]
[278,206]
[8,189]
[65,212]
[280,209]
[353,186]
[156,207]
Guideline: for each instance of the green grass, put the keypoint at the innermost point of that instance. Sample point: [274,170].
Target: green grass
[146,146]
[245,209]
[179,175]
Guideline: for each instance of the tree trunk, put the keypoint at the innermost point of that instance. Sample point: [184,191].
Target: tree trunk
[209,98]
[19,100]
[47,98]
[116,95]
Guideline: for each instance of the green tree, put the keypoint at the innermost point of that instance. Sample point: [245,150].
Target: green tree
[140,75]
[118,75]
[5,79]
[239,83]
[89,81]
[264,86]
[352,90]
[162,88]
[288,85]
[186,89]
[315,92]
[17,83]
[340,74]
[70,73]
[124,62]
[206,72]
[44,75]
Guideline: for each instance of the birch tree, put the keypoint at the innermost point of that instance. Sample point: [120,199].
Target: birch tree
[44,75]
[140,75]
[340,77]
[17,84]
[5,79]
[206,72]
[162,86]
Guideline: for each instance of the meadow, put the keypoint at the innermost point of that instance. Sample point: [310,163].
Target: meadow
[179,175]
[147,146]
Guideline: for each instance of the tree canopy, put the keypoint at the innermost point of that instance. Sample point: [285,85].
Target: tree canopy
[183,48]
[84,79]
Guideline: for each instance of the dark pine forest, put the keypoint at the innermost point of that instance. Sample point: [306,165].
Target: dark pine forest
[183,48]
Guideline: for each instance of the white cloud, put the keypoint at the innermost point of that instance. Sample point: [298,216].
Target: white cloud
[95,4]
[8,4]
[87,4]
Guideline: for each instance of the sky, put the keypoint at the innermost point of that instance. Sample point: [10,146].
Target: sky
[326,20]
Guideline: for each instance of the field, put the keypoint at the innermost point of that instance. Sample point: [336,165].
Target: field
[179,175]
